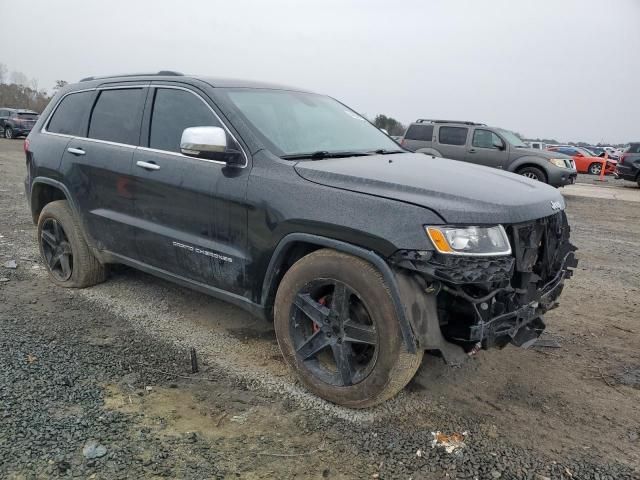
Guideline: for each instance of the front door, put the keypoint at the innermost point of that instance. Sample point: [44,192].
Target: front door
[191,218]
[487,148]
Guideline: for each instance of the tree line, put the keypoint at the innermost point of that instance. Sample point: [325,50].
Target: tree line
[18,91]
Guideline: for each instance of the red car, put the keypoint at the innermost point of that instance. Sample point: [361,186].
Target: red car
[586,161]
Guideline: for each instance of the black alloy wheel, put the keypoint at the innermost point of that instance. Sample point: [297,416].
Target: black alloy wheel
[333,333]
[57,250]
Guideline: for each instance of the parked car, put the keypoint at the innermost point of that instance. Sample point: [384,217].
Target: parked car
[628,167]
[16,122]
[489,146]
[294,207]
[536,145]
[585,160]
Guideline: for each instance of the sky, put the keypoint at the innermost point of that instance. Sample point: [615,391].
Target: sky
[563,69]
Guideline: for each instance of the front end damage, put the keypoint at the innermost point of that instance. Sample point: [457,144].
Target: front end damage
[458,304]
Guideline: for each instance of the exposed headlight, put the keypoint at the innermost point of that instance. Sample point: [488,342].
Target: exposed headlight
[489,241]
[560,162]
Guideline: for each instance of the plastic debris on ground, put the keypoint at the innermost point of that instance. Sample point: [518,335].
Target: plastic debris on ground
[453,443]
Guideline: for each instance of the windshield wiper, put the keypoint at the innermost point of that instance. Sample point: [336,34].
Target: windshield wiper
[320,154]
[382,151]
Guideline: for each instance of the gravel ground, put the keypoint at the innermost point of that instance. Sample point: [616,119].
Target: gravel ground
[104,373]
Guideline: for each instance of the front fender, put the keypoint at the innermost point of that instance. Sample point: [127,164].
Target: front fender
[278,259]
[540,162]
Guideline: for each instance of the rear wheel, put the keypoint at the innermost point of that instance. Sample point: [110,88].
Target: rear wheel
[534,173]
[8,133]
[63,249]
[595,168]
[337,327]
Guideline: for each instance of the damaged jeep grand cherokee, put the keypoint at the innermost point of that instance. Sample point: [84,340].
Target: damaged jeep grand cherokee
[294,207]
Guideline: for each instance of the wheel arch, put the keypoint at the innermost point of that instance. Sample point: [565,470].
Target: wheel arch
[44,191]
[297,245]
[529,161]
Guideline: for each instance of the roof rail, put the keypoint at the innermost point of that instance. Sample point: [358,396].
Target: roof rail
[463,122]
[163,73]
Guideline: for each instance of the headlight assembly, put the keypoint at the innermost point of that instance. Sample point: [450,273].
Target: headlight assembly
[487,241]
[559,162]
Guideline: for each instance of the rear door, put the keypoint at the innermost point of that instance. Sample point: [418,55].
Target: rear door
[483,149]
[191,218]
[97,166]
[452,141]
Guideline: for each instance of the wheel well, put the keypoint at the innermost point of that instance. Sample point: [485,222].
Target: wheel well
[293,252]
[534,165]
[41,195]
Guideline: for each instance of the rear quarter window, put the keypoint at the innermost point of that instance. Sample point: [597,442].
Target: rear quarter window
[422,133]
[116,116]
[453,135]
[70,117]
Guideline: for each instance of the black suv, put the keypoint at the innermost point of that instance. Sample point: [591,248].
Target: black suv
[628,167]
[16,122]
[294,207]
[489,146]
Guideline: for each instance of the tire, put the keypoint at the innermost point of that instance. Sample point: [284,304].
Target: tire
[369,341]
[595,168]
[65,253]
[8,133]
[534,173]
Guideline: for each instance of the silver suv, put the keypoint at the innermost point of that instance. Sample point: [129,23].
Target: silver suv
[489,146]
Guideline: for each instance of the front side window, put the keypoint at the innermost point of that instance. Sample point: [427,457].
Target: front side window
[293,123]
[116,116]
[486,139]
[173,111]
[70,118]
[423,133]
[453,135]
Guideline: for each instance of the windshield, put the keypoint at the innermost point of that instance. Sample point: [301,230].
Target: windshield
[585,152]
[512,138]
[296,123]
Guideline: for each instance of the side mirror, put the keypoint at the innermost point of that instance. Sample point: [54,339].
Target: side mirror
[210,143]
[499,144]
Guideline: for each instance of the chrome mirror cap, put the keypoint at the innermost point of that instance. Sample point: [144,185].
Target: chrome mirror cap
[198,140]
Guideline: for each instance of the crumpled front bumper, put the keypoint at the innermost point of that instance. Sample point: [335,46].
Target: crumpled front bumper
[492,301]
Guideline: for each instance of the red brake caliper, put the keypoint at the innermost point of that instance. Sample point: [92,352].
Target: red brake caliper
[322,301]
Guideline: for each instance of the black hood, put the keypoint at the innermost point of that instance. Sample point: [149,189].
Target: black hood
[461,193]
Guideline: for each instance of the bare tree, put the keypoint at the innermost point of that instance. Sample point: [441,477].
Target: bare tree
[3,72]
[19,78]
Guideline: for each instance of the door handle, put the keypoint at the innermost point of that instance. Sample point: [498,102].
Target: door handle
[472,150]
[147,165]
[76,151]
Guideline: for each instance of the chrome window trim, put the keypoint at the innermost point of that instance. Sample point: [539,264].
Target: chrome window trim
[224,125]
[138,147]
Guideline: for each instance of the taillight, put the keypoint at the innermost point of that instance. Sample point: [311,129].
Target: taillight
[622,157]
[402,142]
[25,145]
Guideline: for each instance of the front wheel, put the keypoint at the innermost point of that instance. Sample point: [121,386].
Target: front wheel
[337,327]
[533,173]
[595,168]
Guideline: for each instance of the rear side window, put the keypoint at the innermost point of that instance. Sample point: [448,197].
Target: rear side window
[27,116]
[173,111]
[70,118]
[423,133]
[453,135]
[633,148]
[116,116]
